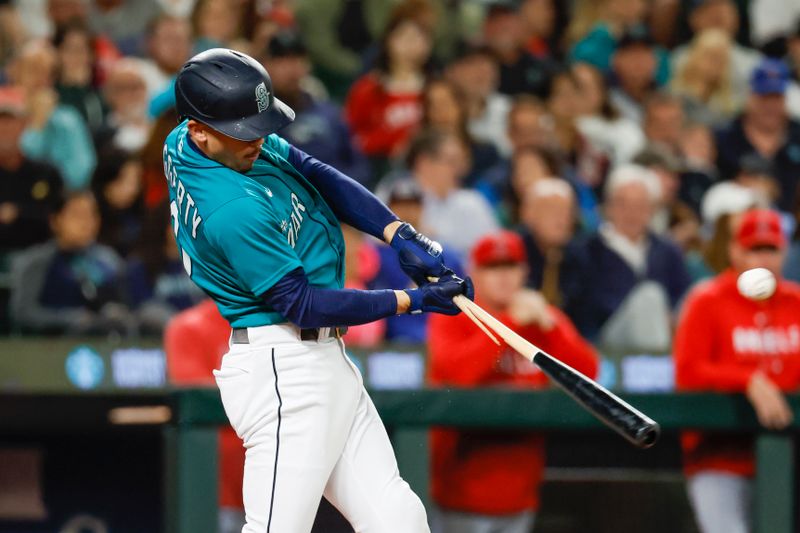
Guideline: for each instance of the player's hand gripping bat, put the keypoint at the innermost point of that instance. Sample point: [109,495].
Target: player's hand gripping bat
[626,420]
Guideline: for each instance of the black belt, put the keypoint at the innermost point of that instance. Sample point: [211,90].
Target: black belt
[240,335]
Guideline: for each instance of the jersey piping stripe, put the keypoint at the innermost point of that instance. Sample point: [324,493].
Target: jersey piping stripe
[277,442]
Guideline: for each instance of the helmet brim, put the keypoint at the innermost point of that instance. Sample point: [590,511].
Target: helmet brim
[256,126]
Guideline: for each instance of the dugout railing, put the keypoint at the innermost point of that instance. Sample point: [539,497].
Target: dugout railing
[190,438]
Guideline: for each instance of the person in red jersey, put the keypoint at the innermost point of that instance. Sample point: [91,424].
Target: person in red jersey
[728,343]
[195,341]
[486,480]
[385,105]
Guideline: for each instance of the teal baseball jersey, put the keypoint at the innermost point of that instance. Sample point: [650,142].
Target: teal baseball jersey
[239,233]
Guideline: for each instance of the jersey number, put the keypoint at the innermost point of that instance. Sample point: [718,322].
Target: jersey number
[187,261]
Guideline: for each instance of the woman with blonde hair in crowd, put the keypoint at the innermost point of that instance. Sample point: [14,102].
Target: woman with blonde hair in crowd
[704,77]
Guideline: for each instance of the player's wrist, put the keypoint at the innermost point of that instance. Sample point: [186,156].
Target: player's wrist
[390,230]
[415,300]
[404,301]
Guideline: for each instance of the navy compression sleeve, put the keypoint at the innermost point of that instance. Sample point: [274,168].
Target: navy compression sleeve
[314,307]
[351,202]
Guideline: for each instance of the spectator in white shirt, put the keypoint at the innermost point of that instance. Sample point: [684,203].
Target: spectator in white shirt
[460,217]
[600,122]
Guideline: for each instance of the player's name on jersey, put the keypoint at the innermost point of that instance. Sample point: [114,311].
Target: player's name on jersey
[184,205]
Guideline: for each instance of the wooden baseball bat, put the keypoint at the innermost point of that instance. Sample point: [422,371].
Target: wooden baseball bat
[617,414]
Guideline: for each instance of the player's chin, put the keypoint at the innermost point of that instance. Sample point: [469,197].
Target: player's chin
[245,164]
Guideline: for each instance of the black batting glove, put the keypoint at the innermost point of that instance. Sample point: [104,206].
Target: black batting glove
[420,257]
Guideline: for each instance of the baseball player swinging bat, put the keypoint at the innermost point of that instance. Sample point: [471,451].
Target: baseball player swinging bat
[617,414]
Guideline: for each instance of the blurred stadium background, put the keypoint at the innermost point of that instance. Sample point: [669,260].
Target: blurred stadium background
[623,141]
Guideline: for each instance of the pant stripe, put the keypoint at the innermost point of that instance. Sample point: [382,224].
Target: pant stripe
[277,441]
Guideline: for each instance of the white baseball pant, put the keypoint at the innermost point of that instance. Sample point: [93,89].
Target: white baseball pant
[310,429]
[721,501]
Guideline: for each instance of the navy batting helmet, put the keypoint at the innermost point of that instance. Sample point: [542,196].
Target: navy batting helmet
[232,93]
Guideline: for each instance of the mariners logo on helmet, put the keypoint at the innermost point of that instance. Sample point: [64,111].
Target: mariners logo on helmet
[262,97]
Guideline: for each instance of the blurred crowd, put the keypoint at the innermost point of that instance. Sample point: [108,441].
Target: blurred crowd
[620,138]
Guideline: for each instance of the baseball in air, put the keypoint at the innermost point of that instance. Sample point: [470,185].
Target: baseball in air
[756,284]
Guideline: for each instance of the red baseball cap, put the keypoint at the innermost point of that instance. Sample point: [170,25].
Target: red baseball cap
[503,247]
[760,227]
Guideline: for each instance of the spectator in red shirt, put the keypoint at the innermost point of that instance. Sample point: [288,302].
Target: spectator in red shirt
[482,480]
[728,343]
[195,341]
[385,105]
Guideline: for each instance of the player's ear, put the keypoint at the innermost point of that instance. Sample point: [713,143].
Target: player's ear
[197,131]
